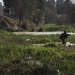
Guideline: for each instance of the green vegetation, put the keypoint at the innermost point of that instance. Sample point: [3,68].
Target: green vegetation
[54,27]
[18,56]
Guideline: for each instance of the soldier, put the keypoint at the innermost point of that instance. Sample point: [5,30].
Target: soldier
[63,36]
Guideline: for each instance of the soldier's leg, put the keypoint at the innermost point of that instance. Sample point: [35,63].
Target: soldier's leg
[63,41]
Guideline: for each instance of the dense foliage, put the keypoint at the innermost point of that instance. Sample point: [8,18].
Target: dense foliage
[44,11]
[25,9]
[61,11]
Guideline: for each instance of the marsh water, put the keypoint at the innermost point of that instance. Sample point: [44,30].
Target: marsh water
[42,33]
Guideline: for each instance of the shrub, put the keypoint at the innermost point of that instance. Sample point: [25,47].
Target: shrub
[40,30]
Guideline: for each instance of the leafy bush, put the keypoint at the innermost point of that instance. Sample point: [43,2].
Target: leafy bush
[40,30]
[54,27]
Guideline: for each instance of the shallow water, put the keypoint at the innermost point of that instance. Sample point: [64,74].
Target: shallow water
[42,33]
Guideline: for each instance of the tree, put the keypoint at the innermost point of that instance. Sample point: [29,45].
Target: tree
[51,4]
[39,12]
[50,14]
[27,9]
[71,14]
[60,6]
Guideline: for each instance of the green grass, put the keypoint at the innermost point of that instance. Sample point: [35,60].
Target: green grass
[53,57]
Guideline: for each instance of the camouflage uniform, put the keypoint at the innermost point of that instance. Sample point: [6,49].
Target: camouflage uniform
[63,36]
